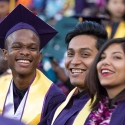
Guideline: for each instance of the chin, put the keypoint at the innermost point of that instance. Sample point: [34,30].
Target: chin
[23,72]
[106,85]
[77,83]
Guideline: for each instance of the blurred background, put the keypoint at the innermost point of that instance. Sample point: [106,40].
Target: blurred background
[61,14]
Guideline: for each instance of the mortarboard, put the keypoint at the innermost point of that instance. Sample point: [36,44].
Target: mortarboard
[22,18]
[96,19]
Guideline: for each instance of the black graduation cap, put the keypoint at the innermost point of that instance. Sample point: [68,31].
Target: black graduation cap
[22,18]
[82,18]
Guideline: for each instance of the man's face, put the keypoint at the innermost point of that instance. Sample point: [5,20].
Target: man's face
[23,52]
[80,55]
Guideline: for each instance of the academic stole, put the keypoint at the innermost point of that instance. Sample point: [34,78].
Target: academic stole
[120,32]
[35,100]
[82,115]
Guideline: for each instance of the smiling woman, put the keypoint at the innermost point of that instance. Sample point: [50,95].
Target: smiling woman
[108,84]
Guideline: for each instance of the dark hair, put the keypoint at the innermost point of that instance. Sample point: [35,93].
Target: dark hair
[88,28]
[107,11]
[92,83]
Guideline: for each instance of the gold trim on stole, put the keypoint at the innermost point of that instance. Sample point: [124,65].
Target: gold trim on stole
[83,114]
[120,32]
[4,86]
[34,103]
[63,105]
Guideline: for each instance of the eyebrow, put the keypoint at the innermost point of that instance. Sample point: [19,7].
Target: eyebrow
[82,49]
[117,52]
[113,53]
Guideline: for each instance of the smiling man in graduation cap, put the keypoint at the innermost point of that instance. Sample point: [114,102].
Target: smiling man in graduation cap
[27,95]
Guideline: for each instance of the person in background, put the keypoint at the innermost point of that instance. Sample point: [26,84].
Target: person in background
[3,63]
[116,12]
[28,95]
[4,9]
[83,43]
[107,89]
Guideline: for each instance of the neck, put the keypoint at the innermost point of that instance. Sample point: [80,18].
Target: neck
[116,19]
[23,82]
[113,92]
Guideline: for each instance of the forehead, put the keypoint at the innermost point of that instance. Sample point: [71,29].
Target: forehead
[114,47]
[23,34]
[83,41]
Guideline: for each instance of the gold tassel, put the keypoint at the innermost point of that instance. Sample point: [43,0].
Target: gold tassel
[80,19]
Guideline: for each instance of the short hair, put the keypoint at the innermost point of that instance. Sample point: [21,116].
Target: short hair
[88,28]
[92,83]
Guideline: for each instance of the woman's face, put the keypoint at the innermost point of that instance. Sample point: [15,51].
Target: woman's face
[116,8]
[111,67]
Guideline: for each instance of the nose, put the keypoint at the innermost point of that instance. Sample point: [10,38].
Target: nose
[24,51]
[76,60]
[106,61]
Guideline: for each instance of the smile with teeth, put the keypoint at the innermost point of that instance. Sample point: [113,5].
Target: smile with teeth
[105,71]
[23,61]
[76,71]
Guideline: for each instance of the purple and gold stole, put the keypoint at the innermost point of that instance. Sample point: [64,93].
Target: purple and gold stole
[120,32]
[82,115]
[35,100]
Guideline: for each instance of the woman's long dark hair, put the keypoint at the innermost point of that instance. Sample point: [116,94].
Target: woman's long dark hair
[93,85]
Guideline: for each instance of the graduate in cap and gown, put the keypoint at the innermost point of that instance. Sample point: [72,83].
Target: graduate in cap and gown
[83,43]
[28,95]
[116,12]
[107,90]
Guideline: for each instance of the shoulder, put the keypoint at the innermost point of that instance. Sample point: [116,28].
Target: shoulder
[54,95]
[54,91]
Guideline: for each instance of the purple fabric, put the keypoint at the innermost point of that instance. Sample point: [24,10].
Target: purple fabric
[68,115]
[19,26]
[7,121]
[45,99]
[52,100]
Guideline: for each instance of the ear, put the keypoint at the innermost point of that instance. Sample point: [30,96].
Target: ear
[40,56]
[5,54]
